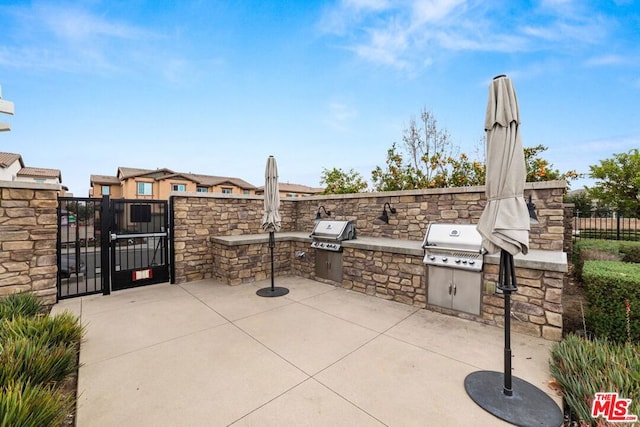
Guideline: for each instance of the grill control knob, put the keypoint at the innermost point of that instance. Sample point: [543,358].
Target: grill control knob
[432,257]
[472,262]
[464,261]
[458,261]
[445,259]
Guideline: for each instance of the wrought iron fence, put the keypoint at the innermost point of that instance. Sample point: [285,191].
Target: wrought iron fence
[605,224]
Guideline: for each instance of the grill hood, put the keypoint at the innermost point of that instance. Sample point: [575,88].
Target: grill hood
[334,230]
[456,237]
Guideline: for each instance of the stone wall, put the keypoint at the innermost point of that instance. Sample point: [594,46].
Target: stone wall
[250,263]
[536,306]
[200,216]
[28,233]
[569,209]
[415,209]
[393,276]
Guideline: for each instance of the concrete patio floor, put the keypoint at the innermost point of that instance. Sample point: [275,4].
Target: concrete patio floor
[208,354]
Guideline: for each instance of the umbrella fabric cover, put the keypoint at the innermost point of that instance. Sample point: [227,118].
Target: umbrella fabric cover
[504,223]
[271,220]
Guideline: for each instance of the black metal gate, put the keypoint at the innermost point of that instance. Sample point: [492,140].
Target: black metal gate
[139,243]
[106,245]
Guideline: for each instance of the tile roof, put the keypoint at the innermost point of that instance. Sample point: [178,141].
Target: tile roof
[40,173]
[164,173]
[104,179]
[7,159]
[210,180]
[294,188]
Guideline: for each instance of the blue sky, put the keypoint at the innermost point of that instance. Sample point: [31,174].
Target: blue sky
[215,87]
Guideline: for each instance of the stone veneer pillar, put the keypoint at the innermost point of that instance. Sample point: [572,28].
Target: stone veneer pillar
[28,233]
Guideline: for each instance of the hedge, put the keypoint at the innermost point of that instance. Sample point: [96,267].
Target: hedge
[609,286]
[584,249]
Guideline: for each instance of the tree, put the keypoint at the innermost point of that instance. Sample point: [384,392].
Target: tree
[539,169]
[583,204]
[80,210]
[398,175]
[618,184]
[337,181]
[431,157]
[428,146]
[434,162]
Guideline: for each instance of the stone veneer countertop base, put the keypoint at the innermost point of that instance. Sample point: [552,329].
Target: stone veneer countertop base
[535,259]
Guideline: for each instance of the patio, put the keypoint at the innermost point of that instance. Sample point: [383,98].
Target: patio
[207,354]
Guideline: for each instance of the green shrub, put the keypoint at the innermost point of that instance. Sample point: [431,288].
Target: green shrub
[20,304]
[27,405]
[35,361]
[587,249]
[630,251]
[63,328]
[608,285]
[583,368]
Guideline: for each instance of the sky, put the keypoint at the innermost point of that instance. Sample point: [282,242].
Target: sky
[215,87]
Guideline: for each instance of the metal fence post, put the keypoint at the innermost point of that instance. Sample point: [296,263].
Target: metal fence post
[105,237]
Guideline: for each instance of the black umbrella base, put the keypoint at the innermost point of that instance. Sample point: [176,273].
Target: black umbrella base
[272,292]
[527,406]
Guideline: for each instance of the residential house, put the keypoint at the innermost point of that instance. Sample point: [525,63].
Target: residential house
[157,184]
[294,190]
[12,168]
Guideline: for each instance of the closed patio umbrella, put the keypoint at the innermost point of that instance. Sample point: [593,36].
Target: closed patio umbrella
[271,220]
[504,223]
[504,226]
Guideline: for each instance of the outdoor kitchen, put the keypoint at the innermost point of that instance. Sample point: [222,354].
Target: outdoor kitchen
[355,249]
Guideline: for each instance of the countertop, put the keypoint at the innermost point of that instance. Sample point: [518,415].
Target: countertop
[535,259]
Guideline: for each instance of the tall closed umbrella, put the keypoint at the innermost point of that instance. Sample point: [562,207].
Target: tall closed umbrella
[504,226]
[271,220]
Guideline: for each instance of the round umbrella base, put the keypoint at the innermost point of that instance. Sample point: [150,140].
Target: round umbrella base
[527,406]
[272,292]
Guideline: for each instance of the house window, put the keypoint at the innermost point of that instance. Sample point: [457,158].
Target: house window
[179,187]
[226,190]
[202,189]
[246,192]
[144,189]
[106,190]
[291,195]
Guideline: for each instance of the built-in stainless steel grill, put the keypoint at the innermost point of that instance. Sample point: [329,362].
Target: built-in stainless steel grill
[328,234]
[453,245]
[453,255]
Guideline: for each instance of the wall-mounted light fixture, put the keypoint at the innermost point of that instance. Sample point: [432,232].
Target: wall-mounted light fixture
[385,217]
[322,208]
[533,218]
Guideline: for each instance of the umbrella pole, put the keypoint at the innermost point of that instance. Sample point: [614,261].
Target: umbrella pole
[272,291]
[507,282]
[520,403]
[272,244]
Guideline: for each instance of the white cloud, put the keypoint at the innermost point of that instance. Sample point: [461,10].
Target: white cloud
[397,34]
[612,145]
[366,4]
[433,11]
[610,59]
[72,39]
[77,25]
[340,114]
